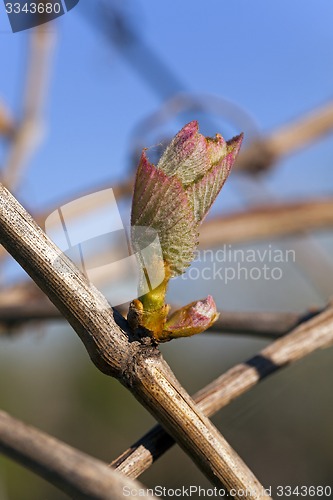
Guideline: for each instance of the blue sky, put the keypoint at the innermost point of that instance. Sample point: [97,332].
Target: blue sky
[273,59]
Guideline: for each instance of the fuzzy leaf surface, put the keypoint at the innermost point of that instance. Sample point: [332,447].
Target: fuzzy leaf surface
[160,202]
[203,193]
[192,319]
[186,156]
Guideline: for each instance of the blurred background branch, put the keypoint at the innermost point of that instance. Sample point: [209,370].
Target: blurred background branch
[23,301]
[267,222]
[27,133]
[6,121]
[263,153]
[260,324]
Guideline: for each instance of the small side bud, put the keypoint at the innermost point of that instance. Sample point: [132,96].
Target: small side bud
[191,319]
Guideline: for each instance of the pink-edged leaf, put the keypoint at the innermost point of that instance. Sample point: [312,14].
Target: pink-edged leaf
[216,149]
[160,202]
[186,156]
[203,193]
[234,145]
[192,319]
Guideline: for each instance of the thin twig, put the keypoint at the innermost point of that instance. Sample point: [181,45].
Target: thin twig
[112,347]
[6,121]
[29,130]
[264,222]
[260,324]
[72,471]
[308,128]
[313,334]
[267,222]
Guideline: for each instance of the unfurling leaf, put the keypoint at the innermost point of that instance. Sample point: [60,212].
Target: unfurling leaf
[161,202]
[203,193]
[173,198]
[186,156]
[191,319]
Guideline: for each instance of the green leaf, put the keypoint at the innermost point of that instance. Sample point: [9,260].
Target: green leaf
[203,193]
[160,202]
[186,156]
[172,199]
[191,319]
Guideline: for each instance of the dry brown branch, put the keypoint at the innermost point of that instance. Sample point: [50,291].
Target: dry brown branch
[313,334]
[303,131]
[261,154]
[264,222]
[72,471]
[261,324]
[27,135]
[20,294]
[268,222]
[274,221]
[135,362]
